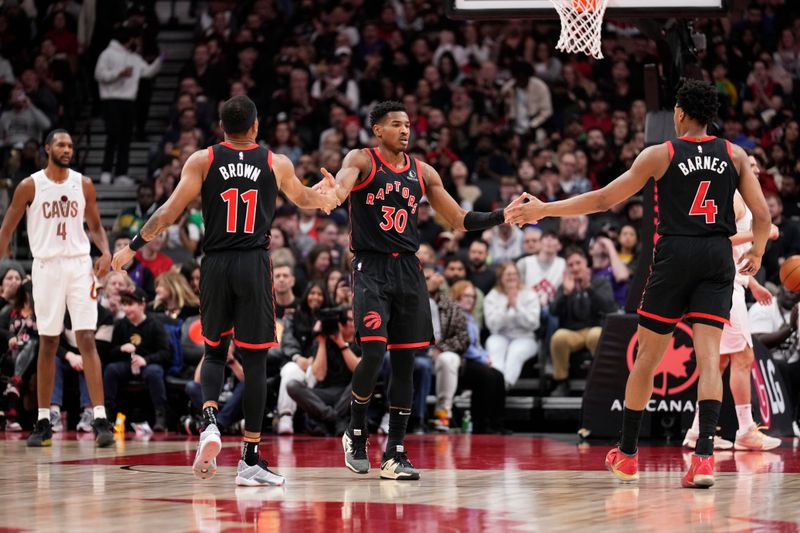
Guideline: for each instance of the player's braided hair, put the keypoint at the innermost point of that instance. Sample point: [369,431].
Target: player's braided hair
[384,108]
[699,100]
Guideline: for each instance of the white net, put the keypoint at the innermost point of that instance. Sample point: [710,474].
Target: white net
[581,26]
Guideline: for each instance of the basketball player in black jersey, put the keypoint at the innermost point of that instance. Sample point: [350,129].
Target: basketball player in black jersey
[238,181]
[692,272]
[390,302]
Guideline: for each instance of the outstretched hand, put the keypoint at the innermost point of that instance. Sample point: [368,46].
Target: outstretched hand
[520,212]
[122,258]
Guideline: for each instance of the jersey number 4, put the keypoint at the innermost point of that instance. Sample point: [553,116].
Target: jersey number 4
[701,206]
[61,230]
[250,198]
[394,218]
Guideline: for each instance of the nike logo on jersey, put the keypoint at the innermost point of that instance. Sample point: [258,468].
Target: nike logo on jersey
[239,170]
[693,164]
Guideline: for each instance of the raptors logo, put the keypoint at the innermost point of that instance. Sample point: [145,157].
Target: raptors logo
[677,370]
[372,320]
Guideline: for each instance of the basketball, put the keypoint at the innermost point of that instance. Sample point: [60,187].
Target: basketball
[790,273]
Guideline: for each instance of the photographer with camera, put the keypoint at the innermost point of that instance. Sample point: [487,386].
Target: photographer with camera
[325,395]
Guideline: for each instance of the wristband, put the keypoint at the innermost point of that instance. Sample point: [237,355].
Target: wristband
[475,220]
[137,243]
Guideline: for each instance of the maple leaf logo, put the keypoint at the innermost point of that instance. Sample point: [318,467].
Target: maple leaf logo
[677,371]
[674,361]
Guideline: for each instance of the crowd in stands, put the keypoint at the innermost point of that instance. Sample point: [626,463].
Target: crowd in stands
[494,109]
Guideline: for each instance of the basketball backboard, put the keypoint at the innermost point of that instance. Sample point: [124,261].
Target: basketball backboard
[507,9]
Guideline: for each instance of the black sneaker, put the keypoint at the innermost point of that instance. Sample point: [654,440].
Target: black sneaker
[161,421]
[397,466]
[42,434]
[355,451]
[103,431]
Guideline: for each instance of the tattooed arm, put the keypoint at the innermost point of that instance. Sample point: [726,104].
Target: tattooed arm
[189,186]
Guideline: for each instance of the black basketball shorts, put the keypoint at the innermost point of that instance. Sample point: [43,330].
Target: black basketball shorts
[390,300]
[691,278]
[236,298]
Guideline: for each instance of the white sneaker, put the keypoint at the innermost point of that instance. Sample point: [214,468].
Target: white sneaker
[257,475]
[286,425]
[690,441]
[85,424]
[55,421]
[383,428]
[753,439]
[205,460]
[105,178]
[13,425]
[124,181]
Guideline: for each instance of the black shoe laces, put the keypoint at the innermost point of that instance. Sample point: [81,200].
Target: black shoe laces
[359,447]
[402,458]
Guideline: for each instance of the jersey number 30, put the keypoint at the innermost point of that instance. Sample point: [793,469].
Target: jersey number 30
[701,206]
[394,218]
[250,198]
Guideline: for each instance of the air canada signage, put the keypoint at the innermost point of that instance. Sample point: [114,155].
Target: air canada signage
[674,383]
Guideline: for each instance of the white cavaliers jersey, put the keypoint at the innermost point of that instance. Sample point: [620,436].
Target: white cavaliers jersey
[743,224]
[55,217]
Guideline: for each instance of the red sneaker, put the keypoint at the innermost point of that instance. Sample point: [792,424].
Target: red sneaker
[700,474]
[625,467]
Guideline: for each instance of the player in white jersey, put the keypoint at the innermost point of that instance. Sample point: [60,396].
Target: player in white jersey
[736,344]
[56,201]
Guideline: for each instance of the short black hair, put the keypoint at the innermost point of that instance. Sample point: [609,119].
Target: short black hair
[699,100]
[384,108]
[52,136]
[480,241]
[238,114]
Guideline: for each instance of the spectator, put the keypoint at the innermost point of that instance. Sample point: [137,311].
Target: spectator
[11,280]
[628,244]
[283,283]
[512,315]
[544,271]
[452,340]
[506,243]
[23,342]
[607,264]
[139,348]
[110,289]
[209,76]
[190,271]
[175,299]
[580,305]
[21,121]
[527,100]
[296,346]
[335,87]
[118,72]
[131,219]
[325,396]
[787,243]
[487,383]
[480,274]
[152,259]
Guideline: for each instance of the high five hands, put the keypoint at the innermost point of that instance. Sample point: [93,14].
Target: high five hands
[327,188]
[525,209]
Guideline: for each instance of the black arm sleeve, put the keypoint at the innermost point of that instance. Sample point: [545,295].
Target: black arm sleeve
[475,220]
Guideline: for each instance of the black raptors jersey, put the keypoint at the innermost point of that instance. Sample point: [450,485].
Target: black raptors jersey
[383,208]
[695,195]
[238,196]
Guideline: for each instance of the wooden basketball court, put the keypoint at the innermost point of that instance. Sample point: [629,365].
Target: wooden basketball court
[469,483]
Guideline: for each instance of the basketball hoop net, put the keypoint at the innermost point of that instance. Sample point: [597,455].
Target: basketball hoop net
[581,26]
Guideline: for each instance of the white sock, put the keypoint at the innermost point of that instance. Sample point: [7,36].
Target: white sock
[44,414]
[696,421]
[99,411]
[55,409]
[744,414]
